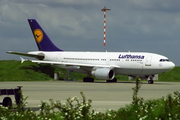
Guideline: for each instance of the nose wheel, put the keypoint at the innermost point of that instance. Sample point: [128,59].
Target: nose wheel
[150,81]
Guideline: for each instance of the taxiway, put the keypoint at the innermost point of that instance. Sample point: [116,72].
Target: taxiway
[104,95]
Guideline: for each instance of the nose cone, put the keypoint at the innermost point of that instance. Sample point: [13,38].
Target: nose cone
[166,66]
[171,65]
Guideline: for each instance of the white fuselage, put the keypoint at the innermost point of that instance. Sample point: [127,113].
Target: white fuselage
[130,63]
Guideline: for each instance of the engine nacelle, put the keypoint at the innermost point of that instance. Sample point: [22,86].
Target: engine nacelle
[103,73]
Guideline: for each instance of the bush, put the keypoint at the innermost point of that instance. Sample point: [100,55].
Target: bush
[165,108]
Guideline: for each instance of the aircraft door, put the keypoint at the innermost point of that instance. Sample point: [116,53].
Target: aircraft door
[148,61]
[107,61]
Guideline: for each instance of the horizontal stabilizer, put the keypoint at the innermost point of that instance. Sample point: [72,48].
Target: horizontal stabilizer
[22,59]
[38,56]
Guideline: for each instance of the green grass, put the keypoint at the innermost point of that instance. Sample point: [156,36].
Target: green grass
[173,75]
[11,70]
[15,71]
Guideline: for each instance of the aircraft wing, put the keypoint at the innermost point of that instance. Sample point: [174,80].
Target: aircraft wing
[70,64]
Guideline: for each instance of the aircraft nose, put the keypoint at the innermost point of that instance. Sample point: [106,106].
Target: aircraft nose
[167,66]
[171,65]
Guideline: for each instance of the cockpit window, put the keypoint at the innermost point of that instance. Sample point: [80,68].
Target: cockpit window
[163,60]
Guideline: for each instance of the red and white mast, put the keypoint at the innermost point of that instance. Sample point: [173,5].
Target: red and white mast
[105,9]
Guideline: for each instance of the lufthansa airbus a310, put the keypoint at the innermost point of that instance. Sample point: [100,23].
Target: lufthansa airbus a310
[101,65]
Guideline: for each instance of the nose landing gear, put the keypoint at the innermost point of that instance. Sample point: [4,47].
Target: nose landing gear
[151,80]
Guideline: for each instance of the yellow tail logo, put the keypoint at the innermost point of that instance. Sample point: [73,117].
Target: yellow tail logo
[38,34]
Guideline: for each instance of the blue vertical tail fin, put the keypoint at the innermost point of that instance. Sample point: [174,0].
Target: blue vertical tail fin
[42,40]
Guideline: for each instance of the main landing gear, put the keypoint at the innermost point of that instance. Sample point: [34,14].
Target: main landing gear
[113,80]
[88,79]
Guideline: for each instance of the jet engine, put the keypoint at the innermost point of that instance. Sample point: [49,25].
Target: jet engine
[103,73]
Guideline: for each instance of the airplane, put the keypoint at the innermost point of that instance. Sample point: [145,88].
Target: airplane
[101,65]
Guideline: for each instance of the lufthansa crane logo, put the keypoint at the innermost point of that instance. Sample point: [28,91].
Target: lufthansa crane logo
[38,34]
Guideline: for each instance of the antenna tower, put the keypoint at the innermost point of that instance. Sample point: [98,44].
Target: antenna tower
[104,10]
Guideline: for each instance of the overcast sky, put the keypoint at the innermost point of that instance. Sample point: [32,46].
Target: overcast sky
[77,25]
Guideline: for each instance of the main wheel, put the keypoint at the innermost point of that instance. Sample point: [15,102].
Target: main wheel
[7,102]
[88,79]
[113,80]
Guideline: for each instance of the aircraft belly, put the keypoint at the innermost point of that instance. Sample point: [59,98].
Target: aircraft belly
[132,68]
[130,71]
[154,71]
